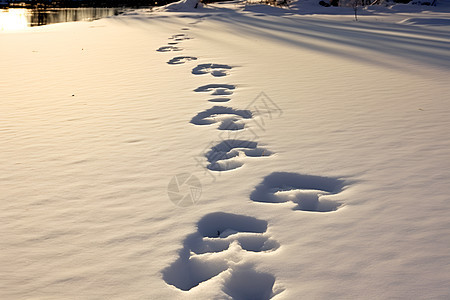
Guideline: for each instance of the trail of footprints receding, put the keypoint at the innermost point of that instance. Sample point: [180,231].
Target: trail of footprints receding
[222,241]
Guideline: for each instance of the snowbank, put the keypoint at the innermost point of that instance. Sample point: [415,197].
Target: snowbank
[183,5]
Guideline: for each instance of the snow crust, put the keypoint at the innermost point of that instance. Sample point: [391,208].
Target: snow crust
[230,152]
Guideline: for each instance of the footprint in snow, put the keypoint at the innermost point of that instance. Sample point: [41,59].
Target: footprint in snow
[221,241]
[216,70]
[196,22]
[181,60]
[308,192]
[169,49]
[219,100]
[180,37]
[231,154]
[216,89]
[229,118]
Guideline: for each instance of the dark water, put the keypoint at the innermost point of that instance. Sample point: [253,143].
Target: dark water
[45,17]
[20,18]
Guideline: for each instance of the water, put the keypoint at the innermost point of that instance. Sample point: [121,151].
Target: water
[18,18]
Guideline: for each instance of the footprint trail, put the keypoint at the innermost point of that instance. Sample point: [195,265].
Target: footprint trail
[219,248]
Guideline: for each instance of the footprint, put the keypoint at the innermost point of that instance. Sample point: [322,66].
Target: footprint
[173,43]
[306,191]
[180,37]
[207,252]
[229,118]
[216,70]
[246,283]
[169,48]
[230,154]
[185,28]
[219,100]
[216,89]
[180,60]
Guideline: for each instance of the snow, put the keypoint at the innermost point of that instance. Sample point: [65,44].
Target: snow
[182,5]
[314,151]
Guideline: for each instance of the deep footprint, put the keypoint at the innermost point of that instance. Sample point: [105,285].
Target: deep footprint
[216,70]
[216,89]
[169,49]
[204,253]
[306,191]
[229,118]
[246,283]
[229,154]
[181,60]
[218,230]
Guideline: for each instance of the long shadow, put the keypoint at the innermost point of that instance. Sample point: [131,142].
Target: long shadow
[379,43]
[353,40]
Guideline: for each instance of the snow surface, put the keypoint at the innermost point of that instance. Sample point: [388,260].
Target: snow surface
[321,144]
